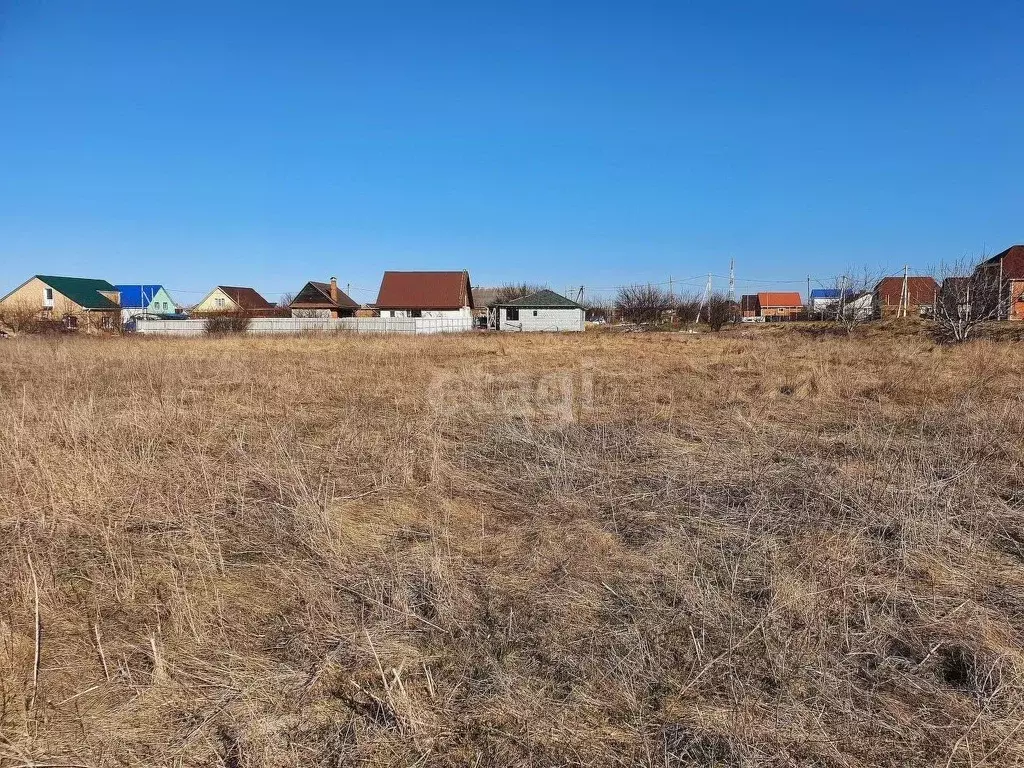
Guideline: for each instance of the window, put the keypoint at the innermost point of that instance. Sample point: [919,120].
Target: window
[165,306]
[71,323]
[218,303]
[48,297]
[535,313]
[416,313]
[512,313]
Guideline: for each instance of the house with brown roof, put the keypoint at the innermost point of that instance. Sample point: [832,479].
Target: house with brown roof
[322,300]
[425,294]
[1008,268]
[230,298]
[921,295]
[778,306]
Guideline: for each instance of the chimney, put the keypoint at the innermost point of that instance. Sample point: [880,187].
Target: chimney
[334,290]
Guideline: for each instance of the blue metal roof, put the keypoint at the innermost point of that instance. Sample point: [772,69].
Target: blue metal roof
[137,296]
[825,293]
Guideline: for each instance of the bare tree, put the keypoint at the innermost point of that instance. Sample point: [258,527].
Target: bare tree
[720,309]
[510,291]
[853,303]
[286,299]
[598,310]
[968,297]
[642,303]
[687,307]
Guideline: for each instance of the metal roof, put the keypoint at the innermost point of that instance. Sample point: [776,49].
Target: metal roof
[544,299]
[826,293]
[246,298]
[314,294]
[137,296]
[425,290]
[780,299]
[84,291]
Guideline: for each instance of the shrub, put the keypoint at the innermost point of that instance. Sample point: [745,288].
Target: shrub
[231,322]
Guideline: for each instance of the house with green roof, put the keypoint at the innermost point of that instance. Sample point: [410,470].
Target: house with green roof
[75,301]
[541,311]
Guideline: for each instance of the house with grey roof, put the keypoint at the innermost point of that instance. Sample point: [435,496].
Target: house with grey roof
[541,311]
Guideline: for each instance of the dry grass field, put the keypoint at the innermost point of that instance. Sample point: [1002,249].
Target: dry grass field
[750,548]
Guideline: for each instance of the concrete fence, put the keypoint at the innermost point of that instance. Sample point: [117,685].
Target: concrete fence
[291,325]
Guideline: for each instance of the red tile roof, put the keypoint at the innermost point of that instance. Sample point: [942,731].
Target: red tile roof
[425,290]
[780,299]
[246,298]
[922,290]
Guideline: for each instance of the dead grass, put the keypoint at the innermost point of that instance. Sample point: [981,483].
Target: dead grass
[652,550]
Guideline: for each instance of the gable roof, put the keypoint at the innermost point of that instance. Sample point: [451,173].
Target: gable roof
[314,294]
[84,291]
[543,299]
[245,298]
[780,299]
[424,290]
[922,290]
[1012,260]
[137,296]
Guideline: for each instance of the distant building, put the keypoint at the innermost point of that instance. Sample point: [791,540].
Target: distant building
[425,294]
[144,300]
[229,298]
[922,293]
[541,311]
[75,301]
[750,308]
[1009,266]
[778,306]
[483,298]
[825,300]
[323,300]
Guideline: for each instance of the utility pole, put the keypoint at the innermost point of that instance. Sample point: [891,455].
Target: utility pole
[671,293]
[705,299]
[905,297]
[732,280]
[999,295]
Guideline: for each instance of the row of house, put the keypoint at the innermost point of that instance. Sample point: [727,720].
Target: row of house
[915,295]
[77,302]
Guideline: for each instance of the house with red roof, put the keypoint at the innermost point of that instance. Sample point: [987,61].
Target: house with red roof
[776,306]
[425,294]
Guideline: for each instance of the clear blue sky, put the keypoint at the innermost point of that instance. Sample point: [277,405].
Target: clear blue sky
[265,144]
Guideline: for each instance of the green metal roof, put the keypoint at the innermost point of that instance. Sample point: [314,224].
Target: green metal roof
[82,290]
[540,300]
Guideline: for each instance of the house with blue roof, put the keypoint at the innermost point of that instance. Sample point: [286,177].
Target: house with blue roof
[144,300]
[824,299]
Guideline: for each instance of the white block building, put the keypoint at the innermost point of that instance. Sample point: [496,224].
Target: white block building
[541,311]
